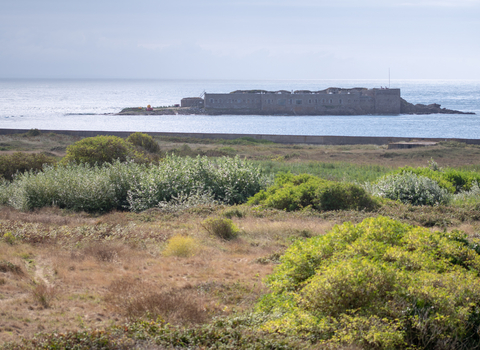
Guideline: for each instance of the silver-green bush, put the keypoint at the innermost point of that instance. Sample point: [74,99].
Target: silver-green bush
[228,180]
[133,186]
[410,188]
[76,186]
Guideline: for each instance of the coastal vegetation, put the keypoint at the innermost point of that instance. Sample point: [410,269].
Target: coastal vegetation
[238,244]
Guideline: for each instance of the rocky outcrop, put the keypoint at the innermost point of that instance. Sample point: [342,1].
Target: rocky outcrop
[162,111]
[405,108]
[434,108]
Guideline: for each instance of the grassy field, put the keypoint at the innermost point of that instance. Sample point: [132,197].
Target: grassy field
[76,271]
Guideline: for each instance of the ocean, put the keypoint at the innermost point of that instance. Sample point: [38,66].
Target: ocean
[90,105]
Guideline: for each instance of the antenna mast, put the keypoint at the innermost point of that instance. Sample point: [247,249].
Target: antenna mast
[389,77]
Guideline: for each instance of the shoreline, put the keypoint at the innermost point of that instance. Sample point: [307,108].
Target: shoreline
[283,139]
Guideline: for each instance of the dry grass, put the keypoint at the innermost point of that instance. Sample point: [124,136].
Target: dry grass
[44,294]
[136,299]
[78,267]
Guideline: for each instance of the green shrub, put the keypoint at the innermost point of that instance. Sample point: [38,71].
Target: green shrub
[101,149]
[33,132]
[144,141]
[20,162]
[228,180]
[380,284]
[129,185]
[453,180]
[222,228]
[79,187]
[411,188]
[301,191]
[467,198]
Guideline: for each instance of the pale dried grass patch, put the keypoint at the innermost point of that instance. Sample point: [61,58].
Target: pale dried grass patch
[47,215]
[104,251]
[135,299]
[44,294]
[265,231]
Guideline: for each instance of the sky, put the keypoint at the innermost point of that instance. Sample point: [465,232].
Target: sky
[244,39]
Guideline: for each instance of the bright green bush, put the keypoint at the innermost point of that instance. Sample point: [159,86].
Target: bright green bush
[144,141]
[301,191]
[220,227]
[453,180]
[101,149]
[380,284]
[20,162]
[410,188]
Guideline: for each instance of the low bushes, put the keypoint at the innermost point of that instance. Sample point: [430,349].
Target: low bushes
[220,227]
[227,180]
[378,285]
[453,180]
[134,186]
[102,149]
[19,162]
[79,187]
[410,188]
[144,141]
[301,191]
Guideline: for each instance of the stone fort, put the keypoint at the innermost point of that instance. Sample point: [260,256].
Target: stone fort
[331,101]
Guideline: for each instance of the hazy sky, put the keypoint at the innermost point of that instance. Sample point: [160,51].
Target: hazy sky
[245,39]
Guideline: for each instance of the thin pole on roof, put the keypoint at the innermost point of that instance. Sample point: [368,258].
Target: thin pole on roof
[389,77]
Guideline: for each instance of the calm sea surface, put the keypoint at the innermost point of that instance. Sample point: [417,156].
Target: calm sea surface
[81,105]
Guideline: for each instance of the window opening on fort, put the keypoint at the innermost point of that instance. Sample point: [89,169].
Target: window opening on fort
[298,102]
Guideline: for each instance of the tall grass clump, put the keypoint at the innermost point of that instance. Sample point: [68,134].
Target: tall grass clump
[292,193]
[221,228]
[228,180]
[380,284]
[410,188]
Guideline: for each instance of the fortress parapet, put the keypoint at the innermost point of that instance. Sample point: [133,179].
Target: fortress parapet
[192,102]
[331,101]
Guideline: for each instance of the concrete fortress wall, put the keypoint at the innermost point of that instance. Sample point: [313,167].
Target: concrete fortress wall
[332,101]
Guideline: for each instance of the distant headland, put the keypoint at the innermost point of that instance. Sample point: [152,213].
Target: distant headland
[331,101]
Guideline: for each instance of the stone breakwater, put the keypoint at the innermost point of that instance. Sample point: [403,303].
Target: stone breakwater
[405,108]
